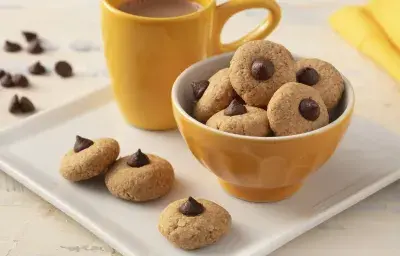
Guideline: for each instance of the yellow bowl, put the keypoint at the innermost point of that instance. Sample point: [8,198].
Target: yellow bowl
[257,169]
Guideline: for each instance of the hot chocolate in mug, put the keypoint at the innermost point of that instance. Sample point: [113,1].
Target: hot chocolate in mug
[145,55]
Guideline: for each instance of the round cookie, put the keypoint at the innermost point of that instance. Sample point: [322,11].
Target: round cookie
[242,120]
[191,224]
[296,108]
[322,76]
[216,97]
[89,158]
[140,177]
[258,68]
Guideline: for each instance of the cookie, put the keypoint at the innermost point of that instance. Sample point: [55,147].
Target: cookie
[89,158]
[322,76]
[258,69]
[217,96]
[296,108]
[191,224]
[140,177]
[241,119]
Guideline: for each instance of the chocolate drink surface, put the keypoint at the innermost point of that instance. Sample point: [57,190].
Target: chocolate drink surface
[160,8]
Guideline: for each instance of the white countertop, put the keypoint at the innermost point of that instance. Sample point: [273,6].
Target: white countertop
[30,226]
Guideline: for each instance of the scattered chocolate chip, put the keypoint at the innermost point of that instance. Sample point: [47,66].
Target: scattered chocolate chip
[138,160]
[82,143]
[199,88]
[14,106]
[191,207]
[2,73]
[20,80]
[308,76]
[35,47]
[262,69]
[235,108]
[37,69]
[6,81]
[29,36]
[309,109]
[26,105]
[12,47]
[63,69]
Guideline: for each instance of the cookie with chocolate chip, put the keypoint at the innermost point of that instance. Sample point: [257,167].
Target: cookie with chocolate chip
[89,158]
[241,119]
[140,177]
[216,97]
[258,69]
[296,108]
[194,223]
[322,76]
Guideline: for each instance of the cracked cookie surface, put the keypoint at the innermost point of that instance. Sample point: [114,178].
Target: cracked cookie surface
[193,232]
[252,123]
[258,69]
[140,184]
[91,161]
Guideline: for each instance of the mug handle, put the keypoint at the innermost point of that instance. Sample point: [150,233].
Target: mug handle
[230,8]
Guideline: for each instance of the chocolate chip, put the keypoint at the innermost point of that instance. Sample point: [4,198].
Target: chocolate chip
[37,69]
[29,36]
[82,143]
[63,69]
[2,73]
[20,80]
[6,81]
[26,105]
[12,47]
[191,207]
[199,88]
[235,108]
[35,47]
[308,76]
[138,159]
[14,106]
[309,109]
[262,69]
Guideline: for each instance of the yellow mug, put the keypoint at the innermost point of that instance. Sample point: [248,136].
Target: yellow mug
[145,55]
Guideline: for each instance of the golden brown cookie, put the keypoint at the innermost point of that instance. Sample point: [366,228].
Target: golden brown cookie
[140,177]
[241,119]
[296,108]
[89,158]
[322,76]
[258,69]
[217,96]
[191,224]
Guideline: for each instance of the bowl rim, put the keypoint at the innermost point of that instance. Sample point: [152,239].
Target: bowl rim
[177,85]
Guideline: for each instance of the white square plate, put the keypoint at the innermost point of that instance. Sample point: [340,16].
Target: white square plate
[365,162]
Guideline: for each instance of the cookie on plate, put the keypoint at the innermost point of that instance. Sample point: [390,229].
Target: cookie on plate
[140,177]
[322,76]
[217,95]
[296,108]
[240,119]
[191,224]
[258,69]
[89,158]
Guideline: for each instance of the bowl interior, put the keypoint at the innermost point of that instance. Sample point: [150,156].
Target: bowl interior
[183,99]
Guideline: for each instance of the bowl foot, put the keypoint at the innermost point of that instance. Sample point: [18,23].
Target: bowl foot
[261,195]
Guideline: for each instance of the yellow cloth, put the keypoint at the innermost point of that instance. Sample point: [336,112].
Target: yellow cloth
[374,29]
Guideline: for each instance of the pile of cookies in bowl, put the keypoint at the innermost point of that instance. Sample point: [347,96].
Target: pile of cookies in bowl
[266,92]
[261,119]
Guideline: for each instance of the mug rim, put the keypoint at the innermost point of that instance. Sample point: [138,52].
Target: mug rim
[178,84]
[107,4]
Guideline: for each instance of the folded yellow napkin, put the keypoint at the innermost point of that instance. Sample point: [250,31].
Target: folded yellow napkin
[374,29]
